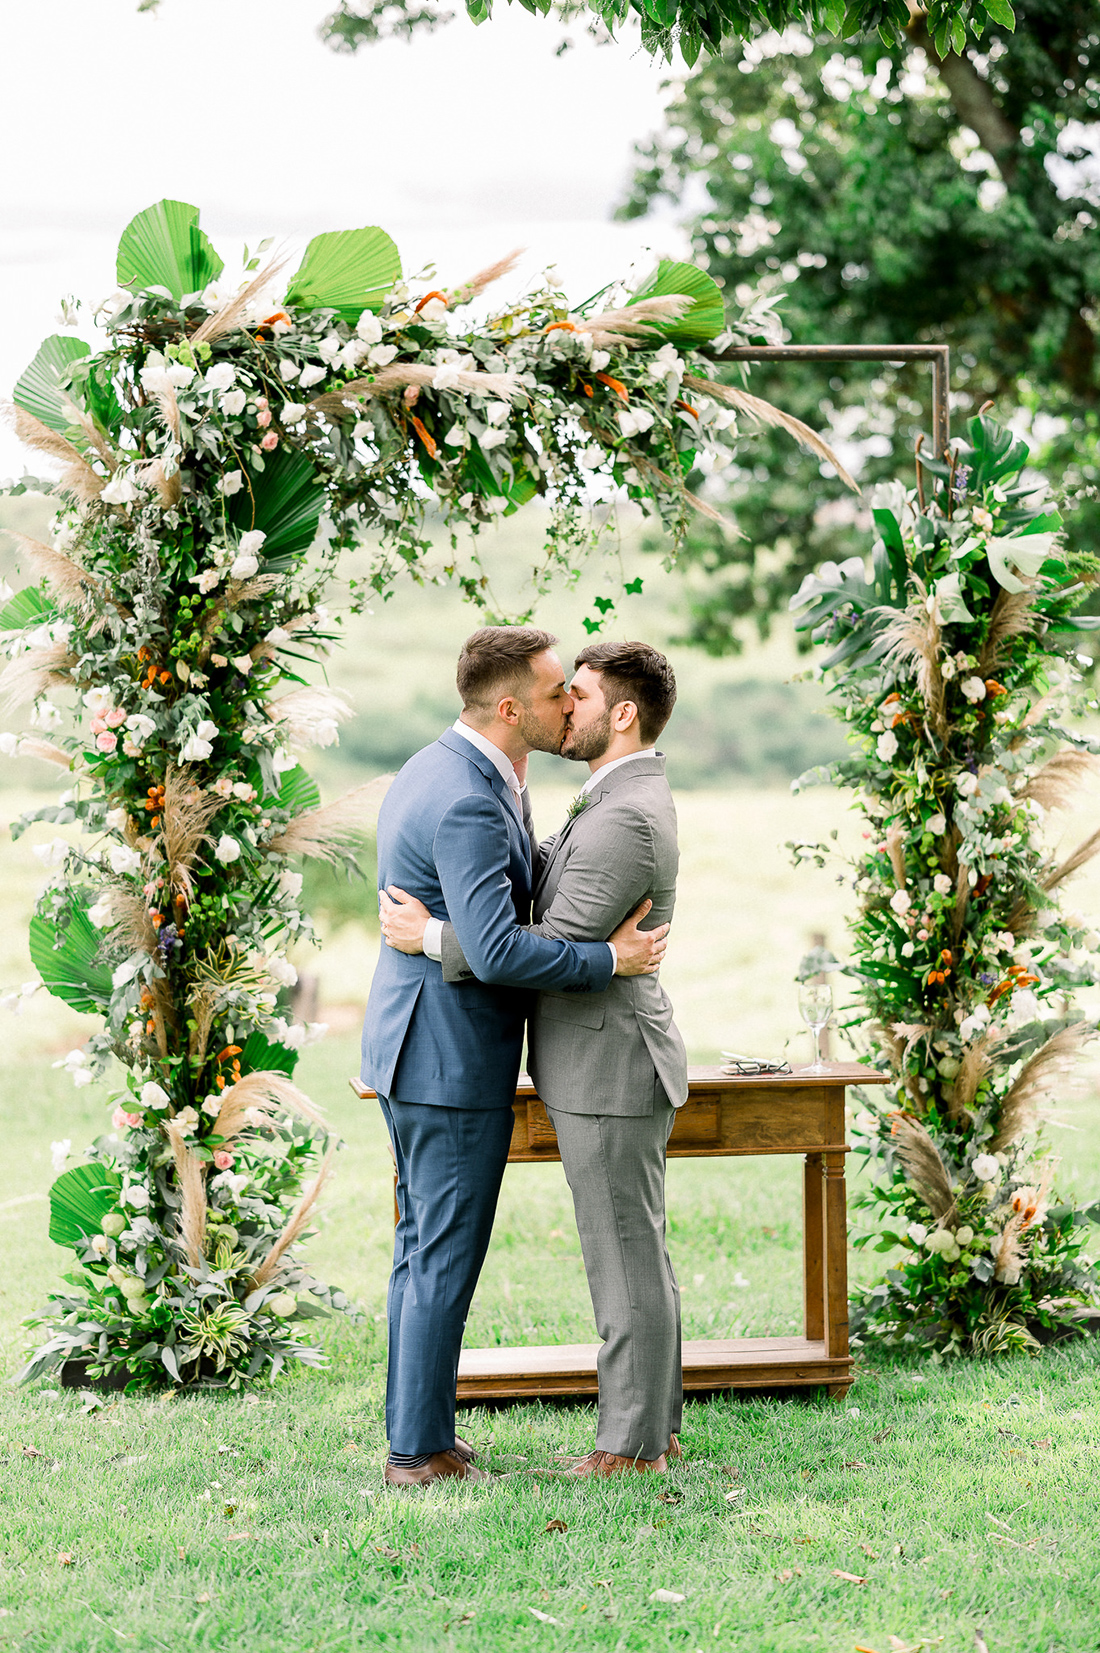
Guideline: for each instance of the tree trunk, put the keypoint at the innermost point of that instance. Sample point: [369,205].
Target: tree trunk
[973,101]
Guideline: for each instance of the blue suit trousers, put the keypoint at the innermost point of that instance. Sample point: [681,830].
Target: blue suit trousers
[450,1162]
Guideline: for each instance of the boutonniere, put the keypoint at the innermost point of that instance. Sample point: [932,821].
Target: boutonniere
[580,802]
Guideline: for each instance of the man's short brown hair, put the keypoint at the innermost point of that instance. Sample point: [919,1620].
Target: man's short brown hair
[496,661]
[634,671]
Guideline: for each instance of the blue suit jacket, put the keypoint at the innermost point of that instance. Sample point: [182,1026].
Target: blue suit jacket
[448,834]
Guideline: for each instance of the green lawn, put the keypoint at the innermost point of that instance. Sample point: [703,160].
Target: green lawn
[963,1498]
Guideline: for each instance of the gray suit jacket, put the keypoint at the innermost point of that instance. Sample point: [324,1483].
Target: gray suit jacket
[609,1052]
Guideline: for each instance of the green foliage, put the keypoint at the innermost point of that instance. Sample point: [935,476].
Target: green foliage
[79,1201]
[28,607]
[685,26]
[284,501]
[164,247]
[38,387]
[67,951]
[348,271]
[853,181]
[949,673]
[707,316]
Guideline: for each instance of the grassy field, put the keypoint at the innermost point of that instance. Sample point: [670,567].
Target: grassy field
[931,1504]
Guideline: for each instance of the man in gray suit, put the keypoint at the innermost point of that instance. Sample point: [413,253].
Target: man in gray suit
[610,1066]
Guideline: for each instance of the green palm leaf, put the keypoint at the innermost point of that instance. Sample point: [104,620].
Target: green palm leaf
[79,1201]
[67,959]
[164,247]
[38,387]
[285,501]
[346,270]
[28,607]
[298,790]
[707,315]
[261,1056]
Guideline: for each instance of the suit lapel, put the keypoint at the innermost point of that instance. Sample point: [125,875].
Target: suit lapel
[636,769]
[517,830]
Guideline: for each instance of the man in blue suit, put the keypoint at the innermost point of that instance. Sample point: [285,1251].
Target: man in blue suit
[455,831]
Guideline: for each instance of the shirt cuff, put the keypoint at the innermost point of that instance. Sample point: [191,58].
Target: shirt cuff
[611,944]
[433,940]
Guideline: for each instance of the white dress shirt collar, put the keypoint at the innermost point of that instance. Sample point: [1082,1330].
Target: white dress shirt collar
[606,768]
[503,765]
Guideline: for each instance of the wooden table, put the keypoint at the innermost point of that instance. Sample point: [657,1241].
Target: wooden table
[796,1113]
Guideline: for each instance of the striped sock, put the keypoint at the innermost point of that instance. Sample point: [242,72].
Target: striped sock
[410,1460]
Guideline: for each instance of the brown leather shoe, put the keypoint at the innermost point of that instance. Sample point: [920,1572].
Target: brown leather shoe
[604,1464]
[441,1466]
[675,1450]
[466,1451]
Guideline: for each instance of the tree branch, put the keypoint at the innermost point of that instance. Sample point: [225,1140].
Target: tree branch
[973,101]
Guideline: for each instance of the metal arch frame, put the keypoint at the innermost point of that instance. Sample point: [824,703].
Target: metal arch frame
[938,354]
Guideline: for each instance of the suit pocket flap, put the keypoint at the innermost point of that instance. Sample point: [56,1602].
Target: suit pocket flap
[582,1010]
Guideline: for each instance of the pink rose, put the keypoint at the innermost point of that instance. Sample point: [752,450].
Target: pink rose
[114,717]
[269,441]
[263,417]
[223,1159]
[98,725]
[120,1118]
[130,749]
[106,741]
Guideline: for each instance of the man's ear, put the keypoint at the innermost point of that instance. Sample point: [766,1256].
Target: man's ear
[508,710]
[625,717]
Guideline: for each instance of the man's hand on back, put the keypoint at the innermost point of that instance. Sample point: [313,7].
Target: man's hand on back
[639,952]
[403,919]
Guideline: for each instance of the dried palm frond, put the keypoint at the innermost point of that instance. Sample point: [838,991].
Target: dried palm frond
[977,1060]
[70,583]
[1035,1080]
[920,1160]
[329,832]
[766,413]
[299,713]
[191,1176]
[895,850]
[78,477]
[296,1223]
[229,316]
[169,488]
[269,1093]
[484,278]
[343,404]
[203,1004]
[893,1039]
[635,324]
[1060,778]
[1065,869]
[29,675]
[962,900]
[187,813]
[1009,1257]
[129,914]
[641,463]
[1012,616]
[32,747]
[92,431]
[915,637]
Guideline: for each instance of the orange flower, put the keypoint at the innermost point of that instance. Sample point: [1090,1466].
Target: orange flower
[993,688]
[280,315]
[687,407]
[424,433]
[230,1050]
[442,297]
[614,384]
[566,326]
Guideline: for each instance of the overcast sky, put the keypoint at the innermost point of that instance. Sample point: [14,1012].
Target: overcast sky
[463,145]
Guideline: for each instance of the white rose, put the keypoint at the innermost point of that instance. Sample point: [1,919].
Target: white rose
[186,1122]
[231,483]
[252,543]
[282,970]
[243,567]
[119,491]
[116,819]
[212,1105]
[293,413]
[973,688]
[243,663]
[288,371]
[227,849]
[233,402]
[381,355]
[917,1233]
[985,1167]
[590,459]
[942,884]
[136,1195]
[122,859]
[178,376]
[220,376]
[369,328]
[153,1095]
[290,884]
[311,375]
[140,727]
[886,745]
[235,1181]
[633,421]
[100,912]
[99,701]
[936,825]
[52,854]
[492,439]
[59,1153]
[967,784]
[900,902]
[330,347]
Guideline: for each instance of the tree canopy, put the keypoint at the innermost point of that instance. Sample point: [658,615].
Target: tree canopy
[894,195]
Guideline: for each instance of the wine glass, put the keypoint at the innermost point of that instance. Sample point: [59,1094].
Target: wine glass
[815,1002]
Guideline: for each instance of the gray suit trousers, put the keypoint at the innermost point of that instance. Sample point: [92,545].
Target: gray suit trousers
[615,1167]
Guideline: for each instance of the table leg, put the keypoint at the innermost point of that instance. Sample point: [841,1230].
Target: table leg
[813,1245]
[836,1264]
